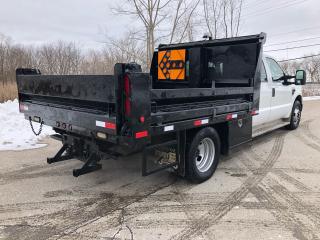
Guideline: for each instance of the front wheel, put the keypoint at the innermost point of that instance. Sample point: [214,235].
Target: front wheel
[203,155]
[295,116]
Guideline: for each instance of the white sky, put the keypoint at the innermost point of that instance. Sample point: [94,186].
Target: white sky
[86,22]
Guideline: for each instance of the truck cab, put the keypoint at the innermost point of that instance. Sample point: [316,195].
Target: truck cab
[278,97]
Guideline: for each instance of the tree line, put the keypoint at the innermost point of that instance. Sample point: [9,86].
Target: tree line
[63,58]
[311,65]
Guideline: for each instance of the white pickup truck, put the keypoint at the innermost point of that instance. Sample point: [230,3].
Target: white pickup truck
[280,99]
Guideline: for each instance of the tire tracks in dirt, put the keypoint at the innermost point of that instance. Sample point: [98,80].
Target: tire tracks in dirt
[279,172]
[86,211]
[201,224]
[299,185]
[307,137]
[306,127]
[294,202]
[285,211]
[284,214]
[31,172]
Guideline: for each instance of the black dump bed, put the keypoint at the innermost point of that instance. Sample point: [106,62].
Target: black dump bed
[200,80]
[90,93]
[80,104]
[67,101]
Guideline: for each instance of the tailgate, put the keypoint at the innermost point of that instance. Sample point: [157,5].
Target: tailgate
[80,104]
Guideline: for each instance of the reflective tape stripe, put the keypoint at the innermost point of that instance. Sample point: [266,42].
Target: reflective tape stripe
[200,122]
[100,124]
[205,121]
[108,125]
[169,128]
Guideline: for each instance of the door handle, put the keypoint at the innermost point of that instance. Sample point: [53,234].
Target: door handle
[273,92]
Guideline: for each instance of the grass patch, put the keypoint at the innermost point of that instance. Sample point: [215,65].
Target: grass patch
[8,92]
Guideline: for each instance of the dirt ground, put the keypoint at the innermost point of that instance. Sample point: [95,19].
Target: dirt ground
[267,189]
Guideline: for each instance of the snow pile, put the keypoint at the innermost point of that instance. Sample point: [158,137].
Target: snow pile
[311,98]
[15,131]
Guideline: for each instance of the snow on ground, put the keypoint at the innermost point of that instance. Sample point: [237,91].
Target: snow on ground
[312,98]
[15,131]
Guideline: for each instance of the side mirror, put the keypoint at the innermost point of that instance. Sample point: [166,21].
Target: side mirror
[301,77]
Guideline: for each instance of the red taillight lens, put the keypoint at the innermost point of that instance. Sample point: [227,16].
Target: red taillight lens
[229,117]
[142,119]
[23,107]
[254,112]
[127,92]
[197,123]
[141,134]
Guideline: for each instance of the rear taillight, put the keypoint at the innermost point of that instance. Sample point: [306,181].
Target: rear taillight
[23,107]
[127,93]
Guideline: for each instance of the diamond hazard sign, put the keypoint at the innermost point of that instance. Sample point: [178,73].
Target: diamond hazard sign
[171,64]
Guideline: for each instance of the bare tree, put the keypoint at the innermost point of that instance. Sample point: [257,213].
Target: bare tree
[212,15]
[161,19]
[182,20]
[59,58]
[127,49]
[222,17]
[312,67]
[150,13]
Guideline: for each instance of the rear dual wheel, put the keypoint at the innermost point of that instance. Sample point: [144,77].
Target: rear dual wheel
[202,155]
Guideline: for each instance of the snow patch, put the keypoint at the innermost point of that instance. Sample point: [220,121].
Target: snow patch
[15,131]
[312,98]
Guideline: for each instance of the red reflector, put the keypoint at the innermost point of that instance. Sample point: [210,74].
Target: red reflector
[254,112]
[229,117]
[142,134]
[110,125]
[197,123]
[142,119]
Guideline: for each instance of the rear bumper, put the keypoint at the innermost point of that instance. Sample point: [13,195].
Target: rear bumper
[68,120]
[81,123]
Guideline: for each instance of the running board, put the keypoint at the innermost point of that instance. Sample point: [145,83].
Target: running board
[261,131]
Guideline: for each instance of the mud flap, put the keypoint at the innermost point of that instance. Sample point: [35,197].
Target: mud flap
[165,155]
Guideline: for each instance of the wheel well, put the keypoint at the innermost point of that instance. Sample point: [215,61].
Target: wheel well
[221,128]
[299,98]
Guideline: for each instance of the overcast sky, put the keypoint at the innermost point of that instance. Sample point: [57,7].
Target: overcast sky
[87,22]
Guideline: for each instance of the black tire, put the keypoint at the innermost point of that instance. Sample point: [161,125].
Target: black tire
[295,116]
[203,139]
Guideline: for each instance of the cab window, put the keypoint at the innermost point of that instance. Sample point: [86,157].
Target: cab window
[276,71]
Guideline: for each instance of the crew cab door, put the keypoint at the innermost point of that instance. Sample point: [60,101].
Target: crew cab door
[281,95]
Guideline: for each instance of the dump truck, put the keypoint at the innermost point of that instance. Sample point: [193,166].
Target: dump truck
[200,100]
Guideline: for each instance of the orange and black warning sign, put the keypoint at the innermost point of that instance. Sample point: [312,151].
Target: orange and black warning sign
[171,64]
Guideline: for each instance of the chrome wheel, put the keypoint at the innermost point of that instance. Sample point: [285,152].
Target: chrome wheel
[296,115]
[205,155]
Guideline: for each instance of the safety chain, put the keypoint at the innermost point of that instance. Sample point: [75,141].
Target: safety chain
[40,128]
